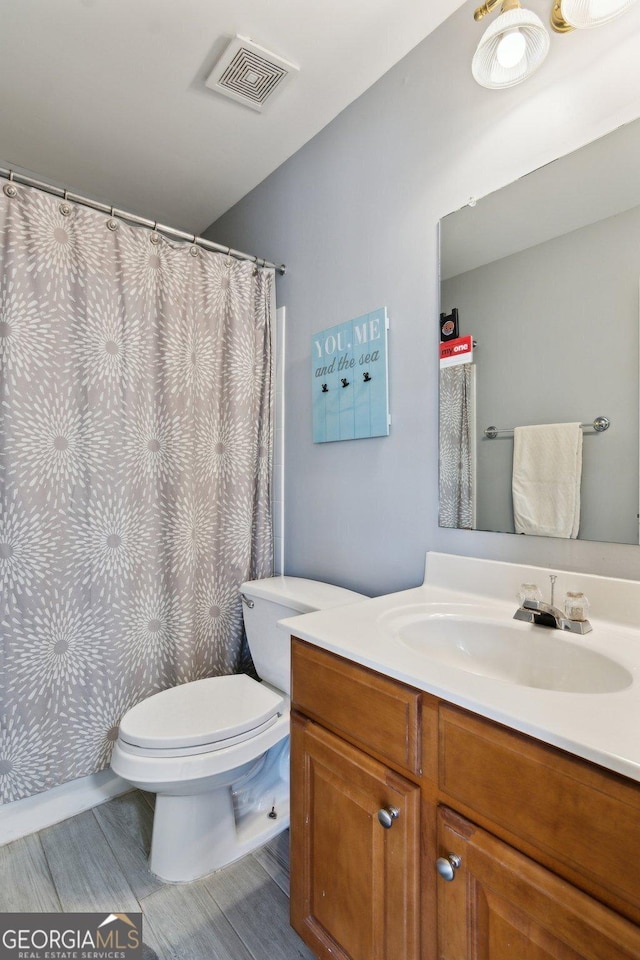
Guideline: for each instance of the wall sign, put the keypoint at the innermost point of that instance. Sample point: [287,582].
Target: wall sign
[453,352]
[349,379]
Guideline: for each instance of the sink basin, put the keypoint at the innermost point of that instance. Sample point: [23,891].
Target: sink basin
[513,652]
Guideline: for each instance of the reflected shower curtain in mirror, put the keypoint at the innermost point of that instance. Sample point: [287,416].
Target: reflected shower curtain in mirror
[456,452]
[135,465]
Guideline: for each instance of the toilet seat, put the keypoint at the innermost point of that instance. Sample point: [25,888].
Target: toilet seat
[200,716]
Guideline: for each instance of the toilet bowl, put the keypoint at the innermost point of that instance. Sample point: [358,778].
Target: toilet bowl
[216,751]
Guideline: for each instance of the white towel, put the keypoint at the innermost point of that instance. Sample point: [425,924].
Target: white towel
[547,468]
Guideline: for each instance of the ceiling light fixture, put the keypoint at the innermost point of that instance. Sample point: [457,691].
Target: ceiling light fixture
[516,43]
[577,14]
[512,47]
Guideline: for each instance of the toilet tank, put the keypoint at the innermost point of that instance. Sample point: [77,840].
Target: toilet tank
[272,599]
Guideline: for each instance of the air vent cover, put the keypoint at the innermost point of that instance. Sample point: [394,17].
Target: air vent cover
[249,74]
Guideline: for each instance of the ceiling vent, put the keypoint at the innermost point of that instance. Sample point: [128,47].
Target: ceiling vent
[249,74]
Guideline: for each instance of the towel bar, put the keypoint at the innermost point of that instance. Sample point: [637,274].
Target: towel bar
[600,424]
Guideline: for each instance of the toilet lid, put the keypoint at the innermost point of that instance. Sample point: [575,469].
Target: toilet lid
[200,712]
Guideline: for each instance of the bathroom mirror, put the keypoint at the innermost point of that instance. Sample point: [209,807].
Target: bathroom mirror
[545,274]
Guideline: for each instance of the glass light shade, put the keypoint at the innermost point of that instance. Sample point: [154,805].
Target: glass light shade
[591,13]
[511,48]
[487,68]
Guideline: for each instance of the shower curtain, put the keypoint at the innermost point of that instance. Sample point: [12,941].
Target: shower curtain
[135,467]
[456,453]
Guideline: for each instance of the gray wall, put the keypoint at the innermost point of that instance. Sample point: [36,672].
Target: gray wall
[354,214]
[557,332]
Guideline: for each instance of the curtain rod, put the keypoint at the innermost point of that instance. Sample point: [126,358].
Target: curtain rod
[14,176]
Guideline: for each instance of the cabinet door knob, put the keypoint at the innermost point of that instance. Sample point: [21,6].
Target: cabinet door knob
[447,866]
[387,815]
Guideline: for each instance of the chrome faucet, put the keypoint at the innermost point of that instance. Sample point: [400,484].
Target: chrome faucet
[548,615]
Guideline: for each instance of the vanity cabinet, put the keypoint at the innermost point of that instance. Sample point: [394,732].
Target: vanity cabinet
[355,856]
[356,881]
[500,904]
[541,849]
[579,820]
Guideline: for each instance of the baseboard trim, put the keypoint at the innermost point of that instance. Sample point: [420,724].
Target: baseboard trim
[26,816]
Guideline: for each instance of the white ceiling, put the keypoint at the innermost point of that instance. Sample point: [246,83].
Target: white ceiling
[107,97]
[597,181]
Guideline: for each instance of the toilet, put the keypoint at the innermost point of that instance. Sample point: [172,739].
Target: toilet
[216,751]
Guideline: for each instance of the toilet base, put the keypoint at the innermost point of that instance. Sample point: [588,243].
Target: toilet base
[197,834]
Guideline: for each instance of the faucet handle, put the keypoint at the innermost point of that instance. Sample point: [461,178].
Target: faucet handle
[529,591]
[576,606]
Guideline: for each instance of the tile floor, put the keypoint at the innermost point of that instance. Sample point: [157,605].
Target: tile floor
[97,861]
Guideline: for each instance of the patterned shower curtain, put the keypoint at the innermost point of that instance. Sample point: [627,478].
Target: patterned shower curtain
[456,454]
[135,468]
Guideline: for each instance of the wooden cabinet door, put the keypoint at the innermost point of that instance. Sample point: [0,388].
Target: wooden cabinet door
[501,905]
[354,884]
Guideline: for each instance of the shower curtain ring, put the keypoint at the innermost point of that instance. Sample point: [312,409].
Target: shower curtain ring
[10,190]
[65,208]
[155,237]
[112,224]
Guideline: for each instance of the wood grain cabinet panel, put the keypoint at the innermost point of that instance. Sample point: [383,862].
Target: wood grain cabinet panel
[355,884]
[503,906]
[549,843]
[582,817]
[378,714]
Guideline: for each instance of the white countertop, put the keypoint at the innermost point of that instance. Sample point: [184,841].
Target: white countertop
[601,727]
